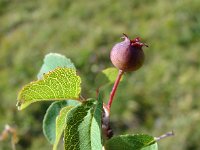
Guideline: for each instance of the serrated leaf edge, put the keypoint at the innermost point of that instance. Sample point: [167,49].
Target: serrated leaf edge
[20,101]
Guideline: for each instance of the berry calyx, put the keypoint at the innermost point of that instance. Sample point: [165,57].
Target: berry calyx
[128,55]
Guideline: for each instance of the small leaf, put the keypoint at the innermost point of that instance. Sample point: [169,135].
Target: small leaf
[49,121]
[60,124]
[52,61]
[107,76]
[151,147]
[111,74]
[129,142]
[83,126]
[59,84]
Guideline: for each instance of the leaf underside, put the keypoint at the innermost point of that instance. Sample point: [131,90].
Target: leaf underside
[83,127]
[49,121]
[59,84]
[52,61]
[60,124]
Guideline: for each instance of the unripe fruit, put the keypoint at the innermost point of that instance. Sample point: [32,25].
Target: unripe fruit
[128,54]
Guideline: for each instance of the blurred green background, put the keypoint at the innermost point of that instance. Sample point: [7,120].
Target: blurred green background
[162,96]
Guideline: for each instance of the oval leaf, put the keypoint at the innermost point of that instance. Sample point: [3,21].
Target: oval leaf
[83,127]
[52,61]
[59,84]
[111,74]
[129,142]
[106,77]
[49,121]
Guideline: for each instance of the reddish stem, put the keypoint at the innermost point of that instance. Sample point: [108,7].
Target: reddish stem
[112,93]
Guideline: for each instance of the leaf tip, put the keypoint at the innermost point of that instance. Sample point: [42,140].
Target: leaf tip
[19,105]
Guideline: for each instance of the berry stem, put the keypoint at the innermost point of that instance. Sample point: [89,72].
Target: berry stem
[112,93]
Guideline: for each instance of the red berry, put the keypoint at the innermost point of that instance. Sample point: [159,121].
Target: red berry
[128,54]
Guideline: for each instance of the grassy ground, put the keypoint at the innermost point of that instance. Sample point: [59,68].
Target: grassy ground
[162,96]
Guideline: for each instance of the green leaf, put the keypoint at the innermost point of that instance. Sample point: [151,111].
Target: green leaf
[52,61]
[59,84]
[129,142]
[96,128]
[111,74]
[107,76]
[60,124]
[151,147]
[49,121]
[83,126]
